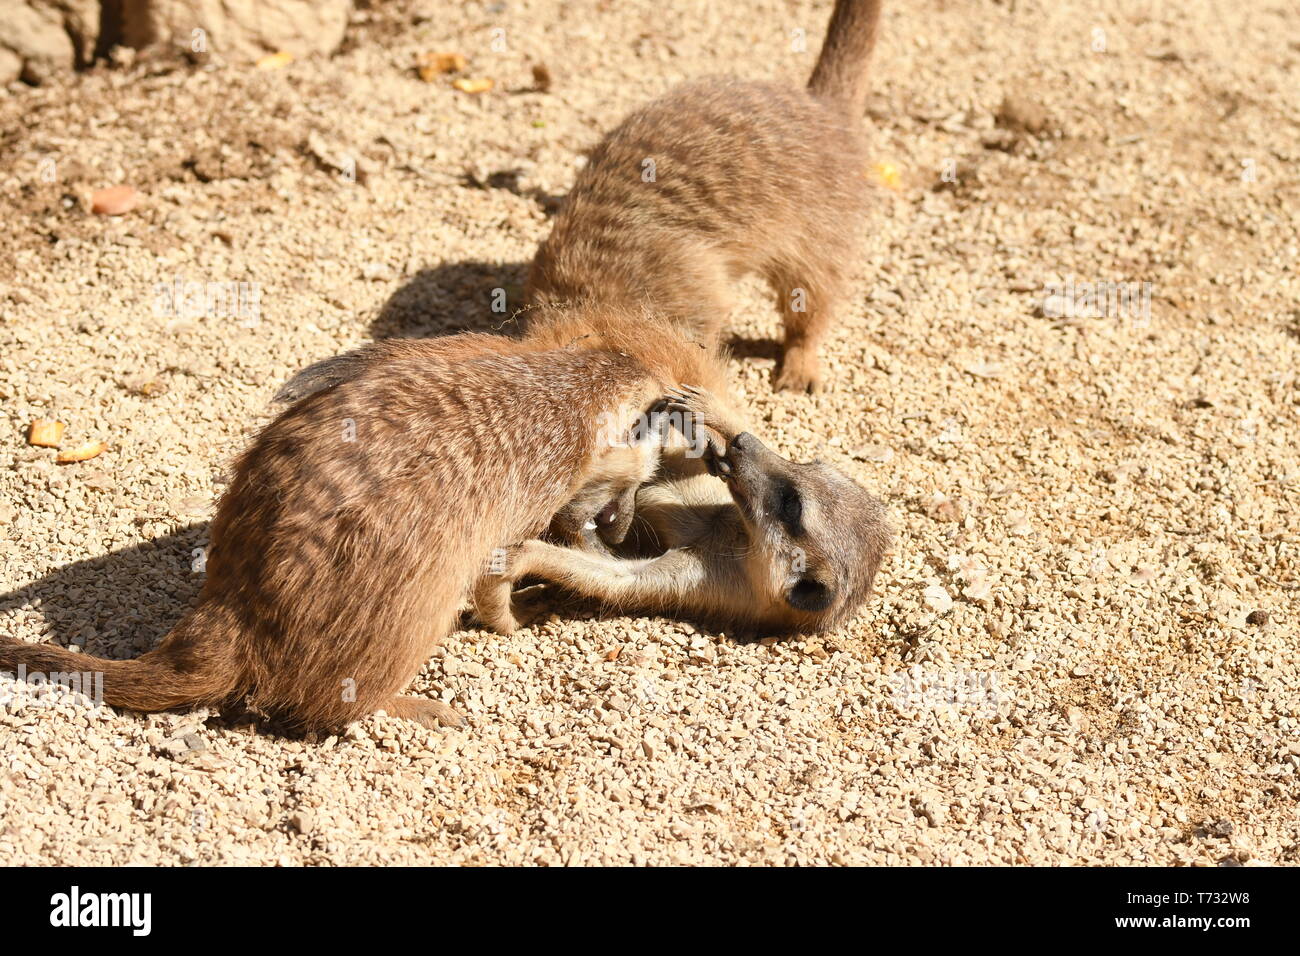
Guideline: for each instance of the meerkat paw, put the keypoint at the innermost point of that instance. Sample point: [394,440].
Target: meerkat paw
[700,421]
[690,398]
[800,371]
[433,714]
[492,604]
[496,604]
[530,605]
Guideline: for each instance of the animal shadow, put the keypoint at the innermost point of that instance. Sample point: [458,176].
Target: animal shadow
[743,348]
[468,296]
[120,604]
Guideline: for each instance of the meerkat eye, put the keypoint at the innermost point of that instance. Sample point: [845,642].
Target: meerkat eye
[789,506]
[809,594]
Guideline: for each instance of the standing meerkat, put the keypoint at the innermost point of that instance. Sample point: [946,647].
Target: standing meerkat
[776,546]
[359,519]
[720,178]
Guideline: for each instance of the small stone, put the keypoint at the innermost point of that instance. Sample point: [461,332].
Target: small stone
[1020,113]
[275,61]
[114,200]
[44,433]
[83,452]
[985,369]
[430,66]
[541,78]
[938,599]
[473,86]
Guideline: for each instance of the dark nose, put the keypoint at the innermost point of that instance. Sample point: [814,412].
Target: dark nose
[742,442]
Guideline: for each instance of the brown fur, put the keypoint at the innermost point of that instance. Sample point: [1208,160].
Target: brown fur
[622,329]
[747,177]
[336,565]
[750,559]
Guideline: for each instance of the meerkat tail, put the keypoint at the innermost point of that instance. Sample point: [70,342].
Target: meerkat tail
[177,673]
[841,70]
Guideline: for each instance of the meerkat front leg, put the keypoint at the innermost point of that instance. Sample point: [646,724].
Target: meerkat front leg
[700,408]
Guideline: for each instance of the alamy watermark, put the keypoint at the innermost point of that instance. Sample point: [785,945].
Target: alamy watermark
[74,909]
[39,689]
[1129,301]
[651,427]
[955,691]
[180,298]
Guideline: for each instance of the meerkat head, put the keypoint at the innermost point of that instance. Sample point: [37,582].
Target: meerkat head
[816,536]
[601,510]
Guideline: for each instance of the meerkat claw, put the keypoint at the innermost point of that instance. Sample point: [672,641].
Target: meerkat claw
[718,464]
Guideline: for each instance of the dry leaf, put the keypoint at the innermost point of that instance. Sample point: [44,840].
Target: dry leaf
[98,481]
[432,65]
[979,587]
[275,61]
[888,175]
[144,386]
[1018,523]
[942,508]
[879,453]
[612,655]
[91,449]
[193,505]
[45,433]
[472,86]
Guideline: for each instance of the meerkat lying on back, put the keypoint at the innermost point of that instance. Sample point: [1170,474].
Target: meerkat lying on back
[793,548]
[361,516]
[720,178]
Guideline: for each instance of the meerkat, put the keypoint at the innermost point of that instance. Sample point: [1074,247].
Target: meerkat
[720,178]
[785,548]
[359,518]
[600,514]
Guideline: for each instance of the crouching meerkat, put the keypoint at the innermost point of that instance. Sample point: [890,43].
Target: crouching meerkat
[775,546]
[720,178]
[359,519]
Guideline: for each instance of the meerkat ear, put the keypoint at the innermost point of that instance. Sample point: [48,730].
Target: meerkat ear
[809,594]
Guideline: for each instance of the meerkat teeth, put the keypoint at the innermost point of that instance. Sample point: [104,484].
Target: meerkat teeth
[590,525]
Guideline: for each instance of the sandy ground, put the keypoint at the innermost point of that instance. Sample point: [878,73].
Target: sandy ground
[1084,649]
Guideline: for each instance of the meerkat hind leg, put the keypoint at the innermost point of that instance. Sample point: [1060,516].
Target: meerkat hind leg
[675,581]
[433,714]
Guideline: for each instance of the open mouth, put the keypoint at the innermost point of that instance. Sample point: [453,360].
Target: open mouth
[607,515]
[603,518]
